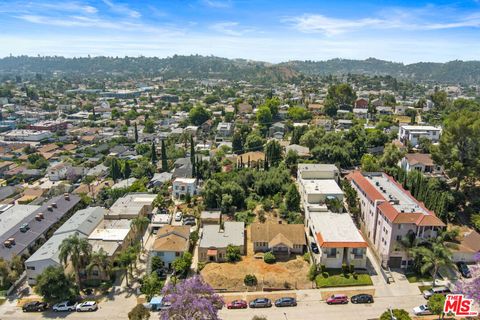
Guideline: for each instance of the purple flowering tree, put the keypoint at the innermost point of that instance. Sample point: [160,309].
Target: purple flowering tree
[471,287]
[191,299]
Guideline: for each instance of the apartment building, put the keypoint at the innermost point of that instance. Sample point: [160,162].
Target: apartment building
[388,213]
[413,134]
[333,232]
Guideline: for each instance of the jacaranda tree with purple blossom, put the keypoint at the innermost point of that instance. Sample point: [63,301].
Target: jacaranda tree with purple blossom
[471,287]
[191,299]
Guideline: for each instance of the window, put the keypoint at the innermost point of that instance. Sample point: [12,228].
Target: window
[357,253]
[177,254]
[332,253]
[30,268]
[160,254]
[399,238]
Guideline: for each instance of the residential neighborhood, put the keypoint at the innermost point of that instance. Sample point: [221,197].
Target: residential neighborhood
[198,187]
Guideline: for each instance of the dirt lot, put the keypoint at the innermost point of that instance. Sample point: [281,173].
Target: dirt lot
[282,274]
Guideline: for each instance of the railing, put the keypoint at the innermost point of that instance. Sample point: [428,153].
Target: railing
[22,278]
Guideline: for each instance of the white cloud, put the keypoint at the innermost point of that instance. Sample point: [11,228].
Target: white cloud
[398,19]
[219,4]
[228,28]
[122,9]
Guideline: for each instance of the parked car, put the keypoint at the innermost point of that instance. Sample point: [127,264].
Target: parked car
[189,222]
[437,290]
[261,303]
[337,299]
[464,270]
[87,306]
[314,247]
[286,302]
[422,310]
[65,306]
[237,304]
[178,216]
[35,306]
[362,298]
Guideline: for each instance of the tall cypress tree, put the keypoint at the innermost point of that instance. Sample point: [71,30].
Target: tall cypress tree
[164,157]
[153,153]
[136,133]
[115,170]
[192,155]
[126,170]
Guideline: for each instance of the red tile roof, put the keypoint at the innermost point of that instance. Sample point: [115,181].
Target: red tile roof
[363,183]
[419,218]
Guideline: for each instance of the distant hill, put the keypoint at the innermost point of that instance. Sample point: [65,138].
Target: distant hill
[450,72]
[203,67]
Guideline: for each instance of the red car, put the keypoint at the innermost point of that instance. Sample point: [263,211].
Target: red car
[237,304]
[337,299]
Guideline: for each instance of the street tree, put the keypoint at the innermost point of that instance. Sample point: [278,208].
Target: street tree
[192,299]
[55,286]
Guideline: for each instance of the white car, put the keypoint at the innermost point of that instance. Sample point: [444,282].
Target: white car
[178,216]
[422,310]
[87,306]
[65,306]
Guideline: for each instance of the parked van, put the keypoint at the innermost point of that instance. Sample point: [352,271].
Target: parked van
[437,290]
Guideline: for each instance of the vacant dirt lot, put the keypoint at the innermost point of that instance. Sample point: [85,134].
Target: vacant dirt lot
[283,274]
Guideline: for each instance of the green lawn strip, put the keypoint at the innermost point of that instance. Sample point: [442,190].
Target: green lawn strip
[413,277]
[335,278]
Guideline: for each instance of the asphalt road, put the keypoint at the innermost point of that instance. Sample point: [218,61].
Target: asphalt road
[306,310]
[317,310]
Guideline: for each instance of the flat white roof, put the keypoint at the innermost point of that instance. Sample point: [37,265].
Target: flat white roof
[327,186]
[421,128]
[109,234]
[14,215]
[335,227]
[397,197]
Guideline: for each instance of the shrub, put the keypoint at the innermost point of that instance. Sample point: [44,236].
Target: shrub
[323,268]
[259,318]
[250,280]
[233,254]
[344,268]
[267,204]
[306,256]
[352,268]
[201,265]
[269,258]
[312,272]
[287,285]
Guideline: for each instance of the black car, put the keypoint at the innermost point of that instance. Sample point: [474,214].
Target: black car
[362,298]
[286,302]
[261,303]
[35,306]
[314,247]
[189,222]
[464,270]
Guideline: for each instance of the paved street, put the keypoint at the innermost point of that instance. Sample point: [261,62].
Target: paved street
[313,309]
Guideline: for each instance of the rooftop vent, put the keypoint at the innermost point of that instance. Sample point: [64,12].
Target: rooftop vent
[54,204]
[66,196]
[50,208]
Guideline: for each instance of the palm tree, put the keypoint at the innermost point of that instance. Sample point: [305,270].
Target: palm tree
[434,257]
[76,250]
[139,225]
[408,243]
[101,260]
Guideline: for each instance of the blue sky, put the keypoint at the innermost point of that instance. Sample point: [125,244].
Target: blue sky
[268,30]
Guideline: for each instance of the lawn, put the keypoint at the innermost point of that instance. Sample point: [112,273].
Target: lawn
[335,278]
[414,277]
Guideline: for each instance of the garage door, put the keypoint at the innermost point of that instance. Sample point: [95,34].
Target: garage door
[395,262]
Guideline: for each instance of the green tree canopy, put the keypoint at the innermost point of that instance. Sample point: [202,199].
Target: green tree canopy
[198,115]
[55,286]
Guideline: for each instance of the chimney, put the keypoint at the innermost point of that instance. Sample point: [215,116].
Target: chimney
[50,208]
[54,204]
[66,196]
